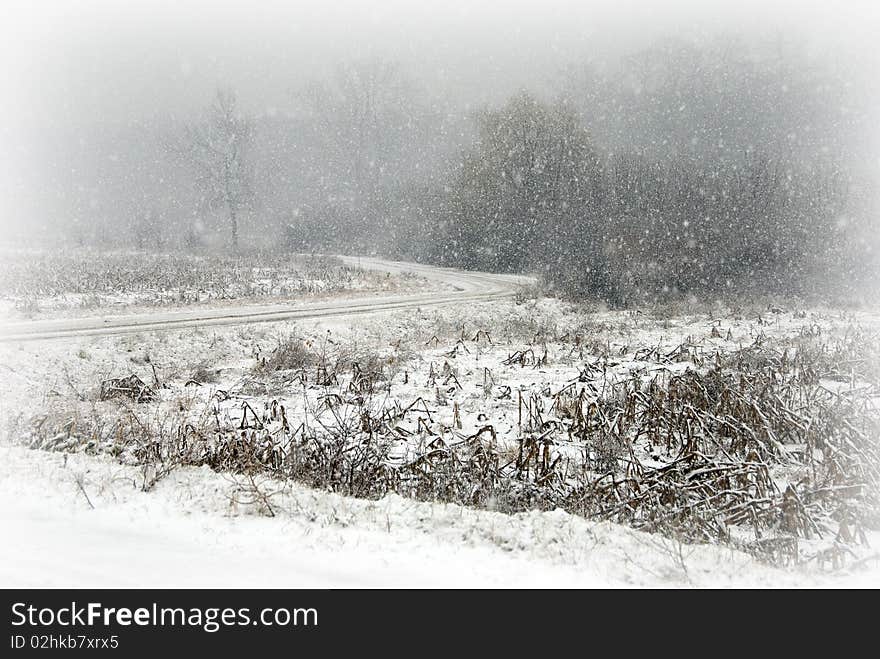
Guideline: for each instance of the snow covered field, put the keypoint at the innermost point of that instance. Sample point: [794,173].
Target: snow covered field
[78,513]
[186,533]
[41,284]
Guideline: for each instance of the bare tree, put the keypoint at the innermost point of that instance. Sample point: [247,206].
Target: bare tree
[364,106]
[366,114]
[218,147]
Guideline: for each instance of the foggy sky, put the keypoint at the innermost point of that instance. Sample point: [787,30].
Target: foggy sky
[74,70]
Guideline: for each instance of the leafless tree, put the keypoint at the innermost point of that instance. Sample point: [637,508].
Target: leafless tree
[218,147]
[365,113]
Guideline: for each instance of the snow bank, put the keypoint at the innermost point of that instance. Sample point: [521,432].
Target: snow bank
[187,533]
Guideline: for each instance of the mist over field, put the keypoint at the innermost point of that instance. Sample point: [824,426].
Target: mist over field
[738,140]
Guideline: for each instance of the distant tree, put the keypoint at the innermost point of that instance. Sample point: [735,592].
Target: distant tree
[218,146]
[532,173]
[628,227]
[144,228]
[366,120]
[362,110]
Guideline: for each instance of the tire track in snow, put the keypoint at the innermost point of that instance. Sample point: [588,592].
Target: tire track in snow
[469,287]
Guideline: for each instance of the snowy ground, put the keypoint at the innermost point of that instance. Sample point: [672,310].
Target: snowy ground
[188,530]
[186,533]
[41,285]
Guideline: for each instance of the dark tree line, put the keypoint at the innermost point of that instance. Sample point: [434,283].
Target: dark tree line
[535,195]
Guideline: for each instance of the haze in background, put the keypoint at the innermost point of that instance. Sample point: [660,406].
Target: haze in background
[96,93]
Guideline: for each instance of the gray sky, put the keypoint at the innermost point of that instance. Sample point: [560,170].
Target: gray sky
[111,61]
[68,66]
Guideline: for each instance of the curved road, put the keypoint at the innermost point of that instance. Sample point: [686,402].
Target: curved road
[468,287]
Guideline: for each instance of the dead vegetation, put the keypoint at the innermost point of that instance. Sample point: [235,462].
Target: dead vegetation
[131,387]
[40,281]
[325,362]
[771,447]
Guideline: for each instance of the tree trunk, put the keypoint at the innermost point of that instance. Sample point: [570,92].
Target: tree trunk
[234,221]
